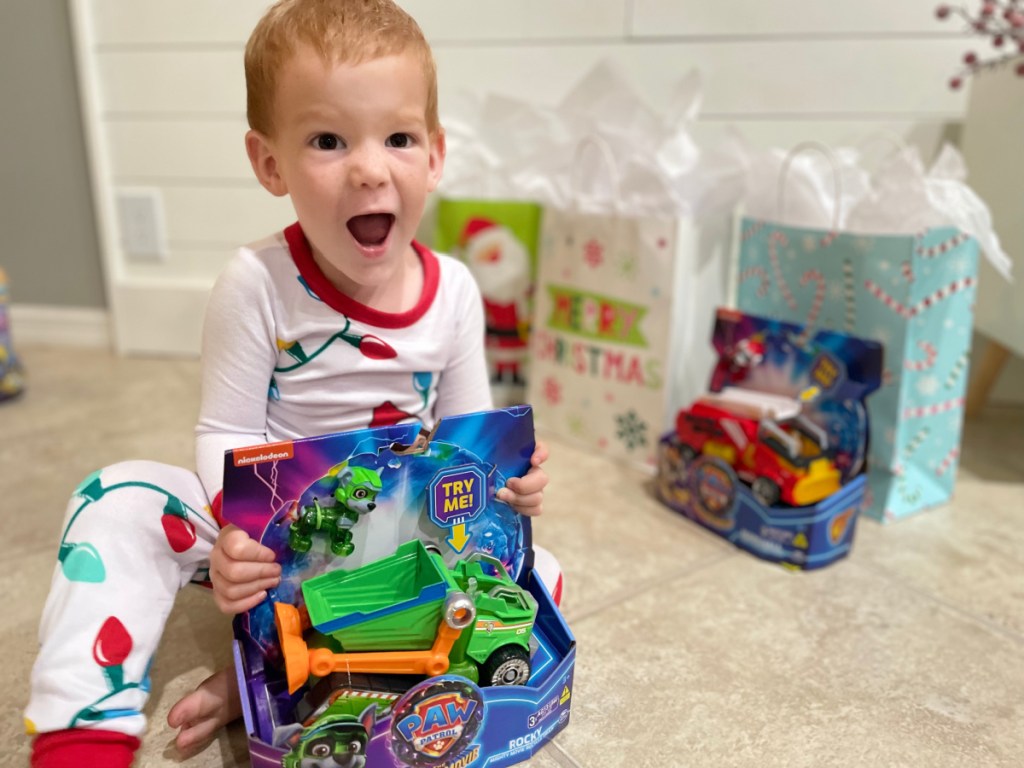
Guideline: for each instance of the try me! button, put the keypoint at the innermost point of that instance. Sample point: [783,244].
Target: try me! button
[457,495]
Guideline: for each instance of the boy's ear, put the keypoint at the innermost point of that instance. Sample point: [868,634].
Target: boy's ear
[436,161]
[264,163]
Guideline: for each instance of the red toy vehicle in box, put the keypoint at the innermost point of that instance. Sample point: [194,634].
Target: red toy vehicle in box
[783,455]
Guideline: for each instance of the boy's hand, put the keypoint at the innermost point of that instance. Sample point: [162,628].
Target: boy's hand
[525,494]
[241,570]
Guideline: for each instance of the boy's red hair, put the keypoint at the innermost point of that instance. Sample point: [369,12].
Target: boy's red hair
[340,31]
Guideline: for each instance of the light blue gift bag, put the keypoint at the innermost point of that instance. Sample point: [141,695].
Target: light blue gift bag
[915,294]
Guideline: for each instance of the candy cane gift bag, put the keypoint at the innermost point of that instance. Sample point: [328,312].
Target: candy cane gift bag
[915,294]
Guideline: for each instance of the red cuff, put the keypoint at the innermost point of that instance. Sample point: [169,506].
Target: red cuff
[216,511]
[84,748]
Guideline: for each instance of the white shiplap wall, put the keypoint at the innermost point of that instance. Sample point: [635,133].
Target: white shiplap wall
[164,99]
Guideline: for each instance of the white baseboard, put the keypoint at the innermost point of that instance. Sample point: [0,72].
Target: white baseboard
[62,326]
[152,319]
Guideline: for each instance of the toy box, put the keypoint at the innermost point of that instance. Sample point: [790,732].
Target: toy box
[409,628]
[772,458]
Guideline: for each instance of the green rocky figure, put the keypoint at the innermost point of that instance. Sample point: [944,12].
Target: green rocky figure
[355,496]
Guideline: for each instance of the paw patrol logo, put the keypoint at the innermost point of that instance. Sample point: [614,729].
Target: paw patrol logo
[434,723]
[714,491]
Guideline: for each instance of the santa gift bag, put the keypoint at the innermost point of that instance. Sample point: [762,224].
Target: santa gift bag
[498,242]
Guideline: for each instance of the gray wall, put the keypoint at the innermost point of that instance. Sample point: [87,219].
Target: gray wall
[50,247]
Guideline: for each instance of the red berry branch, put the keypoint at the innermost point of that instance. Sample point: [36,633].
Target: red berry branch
[1000,20]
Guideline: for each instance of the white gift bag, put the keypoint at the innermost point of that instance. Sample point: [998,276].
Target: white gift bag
[622,322]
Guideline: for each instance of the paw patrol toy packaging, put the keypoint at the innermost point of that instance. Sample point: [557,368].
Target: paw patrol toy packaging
[773,456]
[409,628]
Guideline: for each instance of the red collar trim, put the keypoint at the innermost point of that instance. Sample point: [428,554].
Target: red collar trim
[302,255]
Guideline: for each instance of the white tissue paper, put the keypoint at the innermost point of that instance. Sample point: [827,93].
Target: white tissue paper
[835,188]
[907,198]
[504,148]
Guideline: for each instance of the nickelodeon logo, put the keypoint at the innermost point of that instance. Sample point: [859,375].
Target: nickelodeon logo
[257,454]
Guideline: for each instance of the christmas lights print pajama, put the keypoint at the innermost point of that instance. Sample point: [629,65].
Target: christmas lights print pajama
[135,533]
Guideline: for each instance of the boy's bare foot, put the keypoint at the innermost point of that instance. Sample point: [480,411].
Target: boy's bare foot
[200,714]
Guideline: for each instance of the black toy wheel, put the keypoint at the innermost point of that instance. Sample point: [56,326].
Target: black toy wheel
[509,665]
[766,491]
[687,453]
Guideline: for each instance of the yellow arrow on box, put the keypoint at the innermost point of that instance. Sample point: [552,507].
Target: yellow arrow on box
[459,537]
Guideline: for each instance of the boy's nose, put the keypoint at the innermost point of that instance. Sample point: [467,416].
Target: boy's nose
[369,167]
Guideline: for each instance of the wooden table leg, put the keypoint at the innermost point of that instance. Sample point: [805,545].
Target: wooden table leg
[985,372]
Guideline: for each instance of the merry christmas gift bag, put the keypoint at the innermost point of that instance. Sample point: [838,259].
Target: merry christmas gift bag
[915,294]
[611,323]
[601,345]
[497,239]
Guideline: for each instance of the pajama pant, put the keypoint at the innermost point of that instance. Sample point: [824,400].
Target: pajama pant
[135,533]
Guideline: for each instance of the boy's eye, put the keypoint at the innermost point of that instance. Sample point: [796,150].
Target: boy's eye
[399,140]
[327,141]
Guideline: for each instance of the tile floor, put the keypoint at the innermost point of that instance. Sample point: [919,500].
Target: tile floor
[691,653]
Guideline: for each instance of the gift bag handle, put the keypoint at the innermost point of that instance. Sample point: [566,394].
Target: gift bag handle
[611,167]
[837,184]
[896,142]
[885,136]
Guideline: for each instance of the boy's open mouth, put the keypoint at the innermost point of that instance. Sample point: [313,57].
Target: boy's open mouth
[371,228]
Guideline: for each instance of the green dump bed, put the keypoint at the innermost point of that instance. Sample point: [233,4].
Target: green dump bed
[394,603]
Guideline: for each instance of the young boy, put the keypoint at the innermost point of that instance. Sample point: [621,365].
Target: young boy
[339,322]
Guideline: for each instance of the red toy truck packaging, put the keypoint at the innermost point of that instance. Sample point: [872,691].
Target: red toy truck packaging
[409,628]
[773,456]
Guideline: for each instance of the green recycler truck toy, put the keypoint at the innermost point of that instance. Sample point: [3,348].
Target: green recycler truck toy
[409,613]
